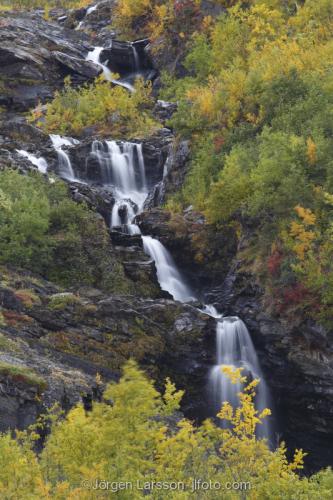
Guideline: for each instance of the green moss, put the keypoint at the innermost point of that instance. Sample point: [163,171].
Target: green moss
[28,297]
[2,319]
[8,345]
[22,374]
[60,301]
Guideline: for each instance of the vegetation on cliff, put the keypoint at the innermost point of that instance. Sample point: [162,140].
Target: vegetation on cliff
[256,103]
[43,230]
[110,110]
[130,439]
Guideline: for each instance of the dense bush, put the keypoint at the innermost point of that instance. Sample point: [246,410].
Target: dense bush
[257,105]
[131,441]
[112,110]
[43,230]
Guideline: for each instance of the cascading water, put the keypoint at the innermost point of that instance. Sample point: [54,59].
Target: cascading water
[91,9]
[40,163]
[122,168]
[65,166]
[95,56]
[168,275]
[234,348]
[136,59]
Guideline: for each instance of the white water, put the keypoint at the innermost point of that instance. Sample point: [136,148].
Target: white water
[65,166]
[168,275]
[91,9]
[234,348]
[40,163]
[122,167]
[136,59]
[94,56]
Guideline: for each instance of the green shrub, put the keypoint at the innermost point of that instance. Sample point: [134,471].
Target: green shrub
[258,109]
[60,301]
[131,441]
[46,4]
[43,230]
[112,110]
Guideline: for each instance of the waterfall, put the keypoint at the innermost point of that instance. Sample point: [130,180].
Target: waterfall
[40,163]
[122,167]
[65,166]
[234,348]
[94,56]
[91,9]
[168,275]
[135,59]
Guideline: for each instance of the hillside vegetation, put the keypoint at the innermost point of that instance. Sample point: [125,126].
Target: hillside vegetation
[257,105]
[44,231]
[131,442]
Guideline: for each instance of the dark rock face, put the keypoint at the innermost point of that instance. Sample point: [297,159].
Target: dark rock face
[66,338]
[200,252]
[99,199]
[35,56]
[17,134]
[125,57]
[297,360]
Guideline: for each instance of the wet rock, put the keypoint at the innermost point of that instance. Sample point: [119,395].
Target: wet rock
[119,238]
[127,57]
[164,110]
[202,253]
[95,19]
[97,198]
[75,64]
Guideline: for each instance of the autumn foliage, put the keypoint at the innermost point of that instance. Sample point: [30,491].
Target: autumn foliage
[256,105]
[128,438]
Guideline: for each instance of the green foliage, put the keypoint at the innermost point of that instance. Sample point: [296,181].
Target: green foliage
[43,230]
[129,440]
[60,301]
[112,110]
[258,108]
